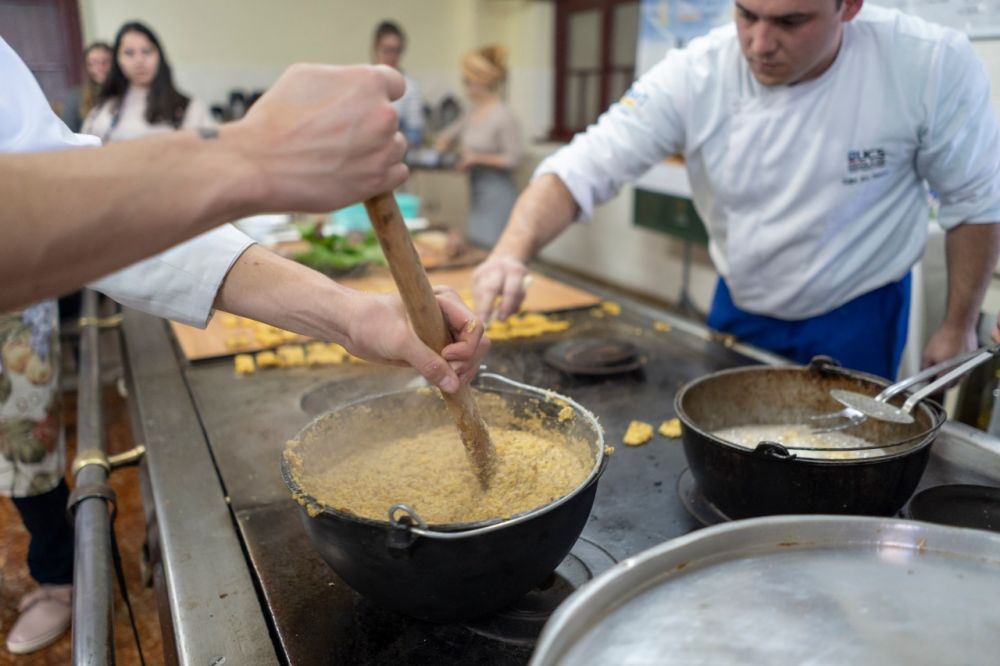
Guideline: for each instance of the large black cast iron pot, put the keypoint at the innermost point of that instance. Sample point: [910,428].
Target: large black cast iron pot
[772,479]
[443,572]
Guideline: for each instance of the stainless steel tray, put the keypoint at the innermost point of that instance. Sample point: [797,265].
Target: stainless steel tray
[791,590]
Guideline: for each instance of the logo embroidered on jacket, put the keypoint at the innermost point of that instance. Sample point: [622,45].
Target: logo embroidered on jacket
[865,160]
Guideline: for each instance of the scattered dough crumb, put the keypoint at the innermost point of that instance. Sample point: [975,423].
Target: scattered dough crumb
[670,428]
[291,356]
[661,326]
[527,325]
[638,433]
[236,341]
[243,364]
[612,308]
[267,359]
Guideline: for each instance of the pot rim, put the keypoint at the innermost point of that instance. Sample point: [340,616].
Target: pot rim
[457,530]
[935,411]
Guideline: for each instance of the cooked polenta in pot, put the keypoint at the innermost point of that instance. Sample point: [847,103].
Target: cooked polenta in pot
[430,471]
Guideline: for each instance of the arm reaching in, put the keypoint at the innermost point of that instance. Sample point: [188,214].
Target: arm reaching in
[972,251]
[321,138]
[541,213]
[278,291]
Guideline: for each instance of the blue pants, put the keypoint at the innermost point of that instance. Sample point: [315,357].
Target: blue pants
[866,334]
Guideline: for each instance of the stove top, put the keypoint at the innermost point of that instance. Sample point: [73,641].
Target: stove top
[643,498]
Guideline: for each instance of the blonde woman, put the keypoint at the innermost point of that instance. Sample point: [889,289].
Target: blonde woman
[489,142]
[96,65]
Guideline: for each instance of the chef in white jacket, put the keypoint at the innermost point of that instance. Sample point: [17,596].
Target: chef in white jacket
[808,129]
[222,269]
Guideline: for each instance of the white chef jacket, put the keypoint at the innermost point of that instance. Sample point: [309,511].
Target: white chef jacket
[813,194]
[180,283]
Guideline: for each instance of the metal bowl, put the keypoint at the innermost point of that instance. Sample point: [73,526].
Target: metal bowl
[790,590]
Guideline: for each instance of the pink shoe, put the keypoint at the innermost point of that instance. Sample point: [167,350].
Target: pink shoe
[45,615]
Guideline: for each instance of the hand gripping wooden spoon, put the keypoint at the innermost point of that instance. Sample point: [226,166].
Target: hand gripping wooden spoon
[429,324]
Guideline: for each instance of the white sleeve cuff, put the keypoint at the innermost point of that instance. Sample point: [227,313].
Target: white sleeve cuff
[577,186]
[181,283]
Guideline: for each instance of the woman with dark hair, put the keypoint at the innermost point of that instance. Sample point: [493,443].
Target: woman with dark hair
[387,49]
[79,101]
[139,98]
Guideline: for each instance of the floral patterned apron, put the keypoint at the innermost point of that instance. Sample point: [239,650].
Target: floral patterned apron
[32,444]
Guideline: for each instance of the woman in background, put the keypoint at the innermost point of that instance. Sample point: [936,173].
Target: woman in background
[139,98]
[387,49]
[490,144]
[80,100]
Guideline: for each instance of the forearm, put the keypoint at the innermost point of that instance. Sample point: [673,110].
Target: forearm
[71,216]
[541,213]
[972,251]
[278,291]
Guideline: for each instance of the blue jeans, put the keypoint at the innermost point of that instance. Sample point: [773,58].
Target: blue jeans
[867,333]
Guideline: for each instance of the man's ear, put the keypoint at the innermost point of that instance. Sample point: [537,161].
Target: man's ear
[851,9]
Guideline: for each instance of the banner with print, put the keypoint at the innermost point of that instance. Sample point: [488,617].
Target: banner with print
[666,24]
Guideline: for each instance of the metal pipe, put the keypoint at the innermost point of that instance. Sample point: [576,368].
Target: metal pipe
[93,640]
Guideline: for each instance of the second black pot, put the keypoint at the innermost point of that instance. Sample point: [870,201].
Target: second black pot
[771,480]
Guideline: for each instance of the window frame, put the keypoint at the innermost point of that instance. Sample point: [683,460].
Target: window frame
[564,9]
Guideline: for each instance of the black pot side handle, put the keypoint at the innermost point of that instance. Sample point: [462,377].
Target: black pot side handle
[773,450]
[824,365]
[400,536]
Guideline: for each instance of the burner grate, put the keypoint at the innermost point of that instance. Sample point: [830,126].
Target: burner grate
[696,503]
[522,623]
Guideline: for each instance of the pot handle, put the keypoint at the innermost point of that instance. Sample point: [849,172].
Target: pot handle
[773,450]
[400,536]
[823,364]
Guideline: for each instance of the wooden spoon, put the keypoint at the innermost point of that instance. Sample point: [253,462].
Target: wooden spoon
[429,324]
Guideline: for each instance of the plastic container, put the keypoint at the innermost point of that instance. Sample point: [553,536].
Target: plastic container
[355,218]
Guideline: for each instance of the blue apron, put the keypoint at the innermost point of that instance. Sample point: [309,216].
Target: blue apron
[867,333]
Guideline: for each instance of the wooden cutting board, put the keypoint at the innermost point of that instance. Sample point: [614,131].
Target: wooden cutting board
[543,295]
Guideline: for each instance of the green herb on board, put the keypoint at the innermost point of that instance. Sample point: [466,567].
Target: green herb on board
[336,254]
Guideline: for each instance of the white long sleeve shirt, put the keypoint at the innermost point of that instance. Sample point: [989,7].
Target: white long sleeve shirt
[180,283]
[813,194]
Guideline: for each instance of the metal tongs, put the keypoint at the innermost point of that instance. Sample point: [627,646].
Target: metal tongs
[858,406]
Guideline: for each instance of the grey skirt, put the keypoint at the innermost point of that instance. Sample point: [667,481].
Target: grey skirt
[492,194]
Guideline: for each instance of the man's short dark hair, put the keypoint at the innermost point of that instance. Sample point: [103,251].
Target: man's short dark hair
[386,28]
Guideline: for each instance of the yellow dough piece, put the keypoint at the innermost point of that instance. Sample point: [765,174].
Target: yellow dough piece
[243,364]
[230,320]
[236,341]
[670,428]
[527,325]
[291,356]
[267,359]
[638,433]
